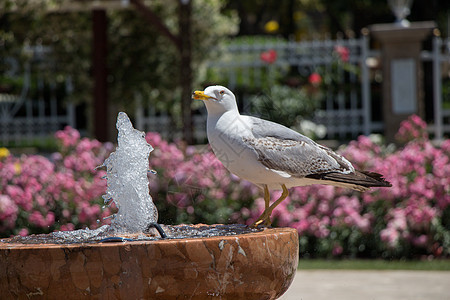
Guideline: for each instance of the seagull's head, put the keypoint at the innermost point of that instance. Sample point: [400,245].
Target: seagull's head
[218,99]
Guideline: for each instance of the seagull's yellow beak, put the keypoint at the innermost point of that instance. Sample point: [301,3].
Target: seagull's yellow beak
[200,95]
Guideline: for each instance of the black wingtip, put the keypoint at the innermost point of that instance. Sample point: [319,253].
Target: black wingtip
[377,177]
[358,178]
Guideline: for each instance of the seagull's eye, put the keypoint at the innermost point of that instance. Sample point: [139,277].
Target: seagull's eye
[222,92]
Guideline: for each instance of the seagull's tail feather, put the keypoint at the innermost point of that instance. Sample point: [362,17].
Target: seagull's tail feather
[359,180]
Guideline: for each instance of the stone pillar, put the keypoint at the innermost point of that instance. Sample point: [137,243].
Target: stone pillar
[403,91]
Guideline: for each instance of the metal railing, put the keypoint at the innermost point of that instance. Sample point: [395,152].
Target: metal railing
[27,119]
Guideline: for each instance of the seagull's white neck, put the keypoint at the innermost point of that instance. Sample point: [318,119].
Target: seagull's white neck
[217,109]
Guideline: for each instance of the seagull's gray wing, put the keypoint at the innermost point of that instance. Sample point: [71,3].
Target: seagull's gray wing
[285,150]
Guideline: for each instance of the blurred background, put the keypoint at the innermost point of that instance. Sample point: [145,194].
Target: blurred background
[370,75]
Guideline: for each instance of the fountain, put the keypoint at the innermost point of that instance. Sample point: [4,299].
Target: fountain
[136,258]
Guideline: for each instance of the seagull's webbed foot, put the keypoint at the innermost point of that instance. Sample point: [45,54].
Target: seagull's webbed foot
[265,216]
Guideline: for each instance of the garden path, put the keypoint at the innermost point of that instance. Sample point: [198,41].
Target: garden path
[369,285]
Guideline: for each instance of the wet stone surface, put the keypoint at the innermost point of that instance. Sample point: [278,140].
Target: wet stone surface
[105,232]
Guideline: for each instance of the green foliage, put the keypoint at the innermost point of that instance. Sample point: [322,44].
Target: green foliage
[374,264]
[251,73]
[30,23]
[141,61]
[284,104]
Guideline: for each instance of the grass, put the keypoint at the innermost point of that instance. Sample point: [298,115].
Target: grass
[415,265]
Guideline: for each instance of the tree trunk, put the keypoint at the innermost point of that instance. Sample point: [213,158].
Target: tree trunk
[185,69]
[100,103]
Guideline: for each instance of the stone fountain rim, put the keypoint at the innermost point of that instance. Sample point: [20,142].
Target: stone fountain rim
[265,232]
[254,265]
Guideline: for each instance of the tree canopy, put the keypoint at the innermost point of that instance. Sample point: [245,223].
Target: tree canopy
[141,61]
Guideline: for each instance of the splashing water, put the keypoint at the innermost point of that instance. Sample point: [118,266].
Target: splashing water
[127,181]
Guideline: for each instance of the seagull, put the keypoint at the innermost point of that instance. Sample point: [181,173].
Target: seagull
[272,156]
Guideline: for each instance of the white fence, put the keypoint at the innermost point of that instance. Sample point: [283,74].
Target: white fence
[28,120]
[439,57]
[148,119]
[345,113]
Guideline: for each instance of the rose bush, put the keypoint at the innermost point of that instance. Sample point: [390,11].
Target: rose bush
[409,220]
[63,192]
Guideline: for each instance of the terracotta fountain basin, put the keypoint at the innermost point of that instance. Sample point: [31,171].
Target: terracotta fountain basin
[255,265]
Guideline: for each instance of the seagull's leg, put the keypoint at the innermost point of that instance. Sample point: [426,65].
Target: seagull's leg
[267,204]
[268,211]
[266,197]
